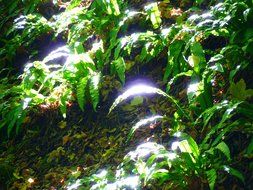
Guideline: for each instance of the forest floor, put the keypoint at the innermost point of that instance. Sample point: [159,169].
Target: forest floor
[52,152]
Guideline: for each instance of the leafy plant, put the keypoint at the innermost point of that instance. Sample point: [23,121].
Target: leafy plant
[194,161]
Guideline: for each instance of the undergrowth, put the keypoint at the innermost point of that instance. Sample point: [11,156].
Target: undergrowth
[209,51]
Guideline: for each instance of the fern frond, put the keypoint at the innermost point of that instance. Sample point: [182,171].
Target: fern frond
[94,89]
[120,67]
[81,92]
[145,89]
[142,123]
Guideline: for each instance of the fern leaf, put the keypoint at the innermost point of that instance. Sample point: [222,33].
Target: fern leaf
[120,67]
[234,172]
[144,89]
[94,90]
[63,102]
[142,123]
[211,177]
[223,147]
[154,14]
[135,90]
[81,92]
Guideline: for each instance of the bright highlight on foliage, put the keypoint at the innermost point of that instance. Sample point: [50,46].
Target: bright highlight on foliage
[140,89]
[142,123]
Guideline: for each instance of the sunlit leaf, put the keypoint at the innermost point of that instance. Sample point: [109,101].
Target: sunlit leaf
[142,123]
[94,89]
[154,14]
[223,147]
[193,60]
[141,90]
[63,102]
[81,92]
[194,89]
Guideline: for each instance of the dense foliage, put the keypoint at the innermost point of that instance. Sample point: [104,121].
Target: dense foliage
[204,50]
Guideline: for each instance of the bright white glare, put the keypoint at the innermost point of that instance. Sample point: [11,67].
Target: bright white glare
[131,13]
[97,46]
[227,169]
[172,155]
[177,134]
[26,102]
[229,110]
[76,58]
[102,174]
[223,103]
[145,149]
[165,31]
[95,79]
[146,121]
[124,41]
[75,185]
[150,6]
[206,15]
[193,88]
[219,7]
[193,17]
[205,22]
[175,145]
[20,22]
[136,90]
[30,180]
[139,89]
[131,182]
[27,67]
[59,52]
[135,37]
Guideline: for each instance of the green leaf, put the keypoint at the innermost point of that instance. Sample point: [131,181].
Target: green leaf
[184,146]
[144,89]
[194,146]
[234,172]
[223,147]
[81,92]
[197,59]
[142,123]
[227,115]
[194,90]
[238,90]
[211,177]
[120,67]
[63,102]
[154,14]
[174,61]
[249,149]
[94,89]
[115,7]
[136,101]
[188,73]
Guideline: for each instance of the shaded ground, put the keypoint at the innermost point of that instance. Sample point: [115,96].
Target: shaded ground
[52,151]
